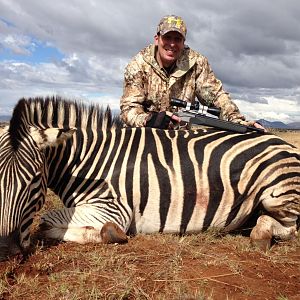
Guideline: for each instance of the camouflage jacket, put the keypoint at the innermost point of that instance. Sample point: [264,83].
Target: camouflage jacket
[147,87]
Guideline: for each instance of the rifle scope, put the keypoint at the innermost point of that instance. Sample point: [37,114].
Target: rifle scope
[196,106]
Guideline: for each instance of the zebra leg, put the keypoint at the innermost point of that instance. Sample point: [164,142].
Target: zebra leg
[83,224]
[280,223]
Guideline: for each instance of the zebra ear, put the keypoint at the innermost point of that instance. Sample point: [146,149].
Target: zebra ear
[50,136]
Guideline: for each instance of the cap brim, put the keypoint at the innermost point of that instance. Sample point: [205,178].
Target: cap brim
[163,32]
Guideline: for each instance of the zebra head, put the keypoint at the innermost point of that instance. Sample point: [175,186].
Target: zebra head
[23,179]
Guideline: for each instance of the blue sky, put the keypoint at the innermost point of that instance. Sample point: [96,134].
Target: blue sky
[79,49]
[38,52]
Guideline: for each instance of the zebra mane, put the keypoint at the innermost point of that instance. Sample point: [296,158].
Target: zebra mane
[55,111]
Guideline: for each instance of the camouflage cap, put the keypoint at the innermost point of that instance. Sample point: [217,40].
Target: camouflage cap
[171,23]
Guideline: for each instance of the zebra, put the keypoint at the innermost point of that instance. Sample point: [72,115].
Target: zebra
[116,181]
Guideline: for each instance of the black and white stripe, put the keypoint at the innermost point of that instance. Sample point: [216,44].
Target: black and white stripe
[143,179]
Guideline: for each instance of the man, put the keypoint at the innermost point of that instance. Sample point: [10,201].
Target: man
[169,69]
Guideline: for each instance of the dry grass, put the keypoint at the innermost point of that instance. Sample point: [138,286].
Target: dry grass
[156,267]
[292,137]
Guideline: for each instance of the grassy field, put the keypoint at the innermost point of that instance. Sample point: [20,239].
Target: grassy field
[202,266]
[293,137]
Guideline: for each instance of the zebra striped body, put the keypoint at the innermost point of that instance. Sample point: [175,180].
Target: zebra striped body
[144,180]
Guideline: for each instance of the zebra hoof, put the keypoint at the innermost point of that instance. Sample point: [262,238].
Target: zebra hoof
[260,239]
[111,233]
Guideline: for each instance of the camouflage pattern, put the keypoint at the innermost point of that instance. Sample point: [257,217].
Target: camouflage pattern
[147,87]
[171,23]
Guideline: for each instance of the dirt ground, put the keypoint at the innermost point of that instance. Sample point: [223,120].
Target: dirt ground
[156,267]
[203,266]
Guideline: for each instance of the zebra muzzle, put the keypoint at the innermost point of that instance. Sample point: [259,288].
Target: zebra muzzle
[10,246]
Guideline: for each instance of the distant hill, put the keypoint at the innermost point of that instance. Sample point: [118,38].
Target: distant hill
[5,118]
[294,125]
[279,125]
[274,124]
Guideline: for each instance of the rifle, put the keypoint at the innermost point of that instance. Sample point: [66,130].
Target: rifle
[194,115]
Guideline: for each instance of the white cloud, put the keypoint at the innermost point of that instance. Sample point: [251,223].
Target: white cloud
[274,109]
[18,44]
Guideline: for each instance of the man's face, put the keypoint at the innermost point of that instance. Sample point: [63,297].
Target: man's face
[170,46]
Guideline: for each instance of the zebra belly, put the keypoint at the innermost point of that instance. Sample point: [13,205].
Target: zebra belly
[178,218]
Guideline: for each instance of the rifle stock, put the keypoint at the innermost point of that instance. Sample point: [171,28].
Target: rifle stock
[221,124]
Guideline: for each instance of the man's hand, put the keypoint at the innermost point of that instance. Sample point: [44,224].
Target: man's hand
[253,124]
[162,120]
[258,125]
